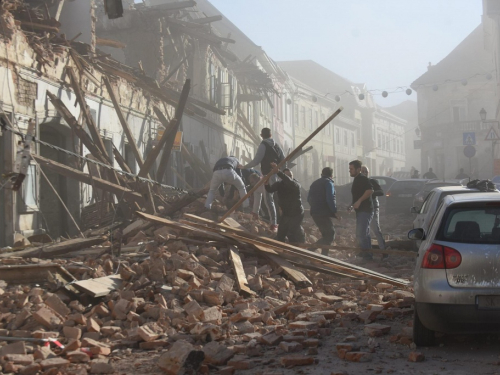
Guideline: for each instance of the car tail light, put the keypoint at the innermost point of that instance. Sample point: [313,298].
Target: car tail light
[388,194]
[441,257]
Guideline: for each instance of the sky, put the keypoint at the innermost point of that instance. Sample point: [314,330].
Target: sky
[383,43]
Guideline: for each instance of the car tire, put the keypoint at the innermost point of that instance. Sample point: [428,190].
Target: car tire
[422,336]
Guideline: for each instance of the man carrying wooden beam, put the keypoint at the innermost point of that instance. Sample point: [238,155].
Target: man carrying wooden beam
[290,201]
[225,173]
[268,152]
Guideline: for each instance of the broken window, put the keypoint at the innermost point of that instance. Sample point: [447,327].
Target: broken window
[108,145]
[130,158]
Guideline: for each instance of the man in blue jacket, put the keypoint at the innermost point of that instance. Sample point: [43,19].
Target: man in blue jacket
[323,204]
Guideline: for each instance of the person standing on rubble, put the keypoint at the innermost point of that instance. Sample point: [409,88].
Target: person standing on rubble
[377,192]
[290,201]
[323,204]
[225,173]
[268,152]
[363,206]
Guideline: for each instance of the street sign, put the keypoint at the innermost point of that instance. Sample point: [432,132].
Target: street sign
[492,135]
[469,139]
[469,151]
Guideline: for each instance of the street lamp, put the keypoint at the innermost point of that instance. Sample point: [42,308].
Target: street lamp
[482,113]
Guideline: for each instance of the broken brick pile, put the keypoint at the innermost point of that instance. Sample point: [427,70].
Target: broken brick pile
[178,300]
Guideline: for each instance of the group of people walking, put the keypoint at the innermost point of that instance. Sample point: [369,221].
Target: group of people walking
[321,197]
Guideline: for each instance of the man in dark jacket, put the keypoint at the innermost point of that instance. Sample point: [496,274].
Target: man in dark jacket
[290,201]
[377,192]
[323,204]
[225,173]
[362,203]
[268,152]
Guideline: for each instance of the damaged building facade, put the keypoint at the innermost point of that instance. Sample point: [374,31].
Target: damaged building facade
[144,58]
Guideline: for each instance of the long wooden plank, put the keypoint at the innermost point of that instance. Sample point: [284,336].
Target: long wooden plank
[239,272]
[296,276]
[126,129]
[57,248]
[247,126]
[98,183]
[251,238]
[80,97]
[76,127]
[169,133]
[281,163]
[100,286]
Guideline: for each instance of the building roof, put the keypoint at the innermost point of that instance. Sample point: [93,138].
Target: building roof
[465,60]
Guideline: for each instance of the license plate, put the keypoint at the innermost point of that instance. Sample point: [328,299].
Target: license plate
[488,302]
[405,195]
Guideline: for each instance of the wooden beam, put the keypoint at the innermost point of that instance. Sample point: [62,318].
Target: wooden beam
[281,163]
[287,248]
[76,127]
[80,97]
[167,140]
[59,10]
[60,200]
[206,20]
[295,275]
[239,272]
[170,132]
[196,163]
[120,160]
[40,26]
[98,183]
[110,43]
[123,122]
[403,253]
[210,38]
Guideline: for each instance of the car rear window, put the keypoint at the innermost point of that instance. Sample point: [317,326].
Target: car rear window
[407,186]
[475,224]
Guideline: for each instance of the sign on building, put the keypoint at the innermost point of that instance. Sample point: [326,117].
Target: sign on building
[469,139]
[177,142]
[492,135]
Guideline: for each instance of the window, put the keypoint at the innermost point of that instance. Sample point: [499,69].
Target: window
[315,119]
[250,113]
[303,116]
[285,106]
[425,205]
[353,144]
[213,83]
[130,158]
[296,114]
[30,190]
[345,137]
[310,119]
[337,136]
[108,145]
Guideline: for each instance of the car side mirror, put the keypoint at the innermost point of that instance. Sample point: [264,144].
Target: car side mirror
[413,210]
[417,234]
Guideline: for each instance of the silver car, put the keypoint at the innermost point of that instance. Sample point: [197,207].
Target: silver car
[457,275]
[426,213]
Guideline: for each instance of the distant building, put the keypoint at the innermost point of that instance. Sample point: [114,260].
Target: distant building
[451,95]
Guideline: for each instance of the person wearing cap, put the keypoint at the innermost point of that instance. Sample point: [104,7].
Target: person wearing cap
[290,201]
[225,173]
[323,204]
[268,152]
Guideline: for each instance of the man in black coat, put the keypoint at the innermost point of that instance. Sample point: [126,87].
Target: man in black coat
[290,201]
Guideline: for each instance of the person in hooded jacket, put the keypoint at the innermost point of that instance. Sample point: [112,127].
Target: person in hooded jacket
[268,152]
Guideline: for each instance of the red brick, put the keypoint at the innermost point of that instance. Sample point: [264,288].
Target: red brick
[296,360]
[47,318]
[358,356]
[416,357]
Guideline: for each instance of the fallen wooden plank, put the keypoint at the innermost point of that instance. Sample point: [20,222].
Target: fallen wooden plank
[300,280]
[205,20]
[48,251]
[101,286]
[98,183]
[358,250]
[287,248]
[239,272]
[31,273]
[110,43]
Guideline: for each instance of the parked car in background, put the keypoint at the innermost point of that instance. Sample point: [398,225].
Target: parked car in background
[496,181]
[427,188]
[399,197]
[456,283]
[426,213]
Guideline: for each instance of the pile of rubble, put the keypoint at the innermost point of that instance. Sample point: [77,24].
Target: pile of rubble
[178,302]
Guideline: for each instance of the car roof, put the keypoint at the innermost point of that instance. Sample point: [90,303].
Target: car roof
[413,179]
[454,188]
[430,182]
[473,197]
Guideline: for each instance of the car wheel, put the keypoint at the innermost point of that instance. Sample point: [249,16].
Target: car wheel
[422,336]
